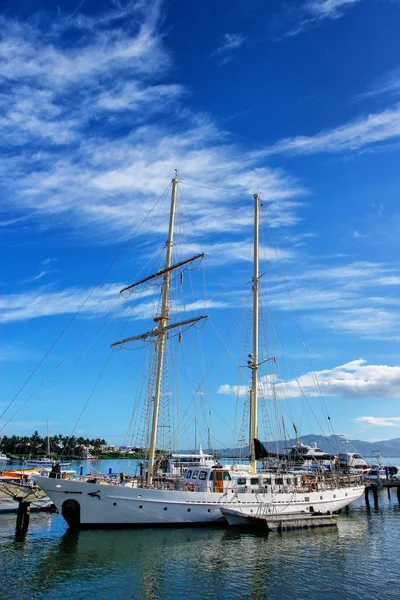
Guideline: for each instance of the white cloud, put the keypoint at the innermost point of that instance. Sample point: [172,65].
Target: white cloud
[388,84]
[85,136]
[355,379]
[357,298]
[380,421]
[230,43]
[46,267]
[105,299]
[241,251]
[312,13]
[368,323]
[373,129]
[42,302]
[331,9]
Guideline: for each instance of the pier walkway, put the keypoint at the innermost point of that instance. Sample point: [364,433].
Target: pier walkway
[379,484]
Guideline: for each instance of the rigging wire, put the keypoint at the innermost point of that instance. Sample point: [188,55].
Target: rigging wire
[297,321]
[69,323]
[89,397]
[59,379]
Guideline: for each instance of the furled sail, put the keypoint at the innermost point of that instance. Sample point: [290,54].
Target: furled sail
[262,452]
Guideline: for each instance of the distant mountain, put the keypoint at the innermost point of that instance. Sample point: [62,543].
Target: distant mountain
[332,444]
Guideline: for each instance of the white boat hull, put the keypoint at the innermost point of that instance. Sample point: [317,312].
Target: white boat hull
[235,517]
[84,504]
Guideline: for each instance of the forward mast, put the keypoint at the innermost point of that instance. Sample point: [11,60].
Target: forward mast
[162,327]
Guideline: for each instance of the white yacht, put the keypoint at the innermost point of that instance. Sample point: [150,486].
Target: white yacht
[304,455]
[45,462]
[206,488]
[179,464]
[353,462]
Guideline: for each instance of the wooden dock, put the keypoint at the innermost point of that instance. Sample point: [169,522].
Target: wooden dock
[379,484]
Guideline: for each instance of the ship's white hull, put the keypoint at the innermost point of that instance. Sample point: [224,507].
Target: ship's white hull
[93,504]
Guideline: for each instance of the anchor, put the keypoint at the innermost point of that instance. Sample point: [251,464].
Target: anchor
[95,494]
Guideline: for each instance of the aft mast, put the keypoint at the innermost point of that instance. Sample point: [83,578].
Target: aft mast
[254,359]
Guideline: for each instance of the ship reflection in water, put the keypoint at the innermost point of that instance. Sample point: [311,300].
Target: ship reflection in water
[353,560]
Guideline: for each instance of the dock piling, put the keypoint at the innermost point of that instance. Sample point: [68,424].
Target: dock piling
[375,493]
[23,516]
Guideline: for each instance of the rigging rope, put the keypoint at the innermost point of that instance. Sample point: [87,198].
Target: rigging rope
[119,253]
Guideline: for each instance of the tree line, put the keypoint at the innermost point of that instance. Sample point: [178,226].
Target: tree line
[37,445]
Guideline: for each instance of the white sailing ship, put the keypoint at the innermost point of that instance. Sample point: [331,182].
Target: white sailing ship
[206,490]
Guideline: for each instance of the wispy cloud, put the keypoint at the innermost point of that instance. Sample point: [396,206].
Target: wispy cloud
[230,43]
[312,12]
[104,300]
[43,302]
[328,9]
[380,421]
[357,298]
[355,379]
[374,129]
[85,136]
[388,84]
[46,267]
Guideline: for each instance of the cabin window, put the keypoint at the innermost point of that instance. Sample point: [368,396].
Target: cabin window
[241,481]
[279,481]
[254,481]
[211,475]
[194,476]
[266,481]
[227,477]
[203,475]
[188,474]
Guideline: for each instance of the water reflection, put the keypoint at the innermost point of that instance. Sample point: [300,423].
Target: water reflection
[352,561]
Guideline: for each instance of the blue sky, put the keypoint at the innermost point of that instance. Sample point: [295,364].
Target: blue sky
[101,101]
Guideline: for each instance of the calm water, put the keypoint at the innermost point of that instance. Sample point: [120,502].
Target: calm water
[358,559]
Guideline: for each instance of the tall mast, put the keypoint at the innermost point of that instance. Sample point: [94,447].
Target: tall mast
[161,323]
[254,367]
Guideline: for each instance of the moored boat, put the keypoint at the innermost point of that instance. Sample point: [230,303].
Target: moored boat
[206,489]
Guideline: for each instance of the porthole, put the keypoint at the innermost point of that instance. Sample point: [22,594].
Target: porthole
[346,494]
[189,510]
[209,510]
[140,496]
[140,506]
[114,504]
[165,508]
[334,495]
[321,497]
[58,486]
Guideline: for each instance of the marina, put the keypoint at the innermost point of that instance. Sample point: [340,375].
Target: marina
[353,560]
[197,495]
[200,316]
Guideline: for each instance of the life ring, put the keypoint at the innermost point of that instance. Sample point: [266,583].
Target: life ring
[313,486]
[189,486]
